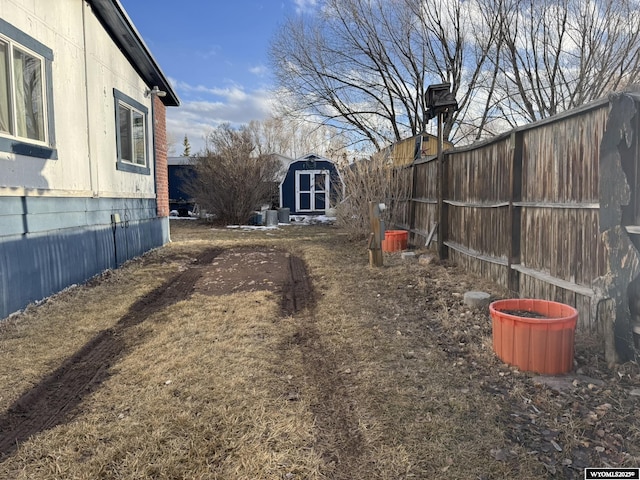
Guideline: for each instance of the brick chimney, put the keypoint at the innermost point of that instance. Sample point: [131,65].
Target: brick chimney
[160,145]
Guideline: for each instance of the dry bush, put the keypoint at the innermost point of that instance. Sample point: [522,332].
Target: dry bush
[230,180]
[373,180]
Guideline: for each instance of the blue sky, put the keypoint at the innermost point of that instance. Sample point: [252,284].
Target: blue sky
[215,53]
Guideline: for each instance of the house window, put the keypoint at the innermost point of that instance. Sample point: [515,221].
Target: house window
[26,106]
[131,134]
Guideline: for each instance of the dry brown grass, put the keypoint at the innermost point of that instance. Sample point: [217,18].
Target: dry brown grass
[193,401]
[386,376]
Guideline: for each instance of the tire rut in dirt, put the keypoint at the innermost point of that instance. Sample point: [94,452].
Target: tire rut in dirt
[297,292]
[52,401]
[338,438]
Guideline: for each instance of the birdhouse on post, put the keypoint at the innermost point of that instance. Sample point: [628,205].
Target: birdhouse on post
[440,101]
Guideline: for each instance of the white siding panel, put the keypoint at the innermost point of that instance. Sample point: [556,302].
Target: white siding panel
[83,103]
[109,69]
[58,25]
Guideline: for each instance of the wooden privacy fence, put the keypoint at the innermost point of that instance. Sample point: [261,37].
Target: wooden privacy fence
[524,210]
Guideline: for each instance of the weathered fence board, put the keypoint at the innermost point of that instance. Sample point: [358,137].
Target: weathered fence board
[480,175]
[523,209]
[560,159]
[560,248]
[423,204]
[564,243]
[478,265]
[481,229]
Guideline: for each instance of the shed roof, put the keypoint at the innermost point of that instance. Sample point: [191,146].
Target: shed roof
[179,161]
[117,23]
[311,156]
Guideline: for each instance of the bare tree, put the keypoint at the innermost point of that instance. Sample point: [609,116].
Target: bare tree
[365,64]
[560,54]
[334,64]
[295,137]
[271,135]
[459,40]
[231,179]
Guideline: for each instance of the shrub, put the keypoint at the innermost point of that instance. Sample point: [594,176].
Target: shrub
[373,180]
[231,181]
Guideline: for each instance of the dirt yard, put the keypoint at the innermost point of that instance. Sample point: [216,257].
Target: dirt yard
[280,354]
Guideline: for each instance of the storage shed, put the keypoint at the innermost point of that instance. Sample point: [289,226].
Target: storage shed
[311,185]
[181,170]
[415,148]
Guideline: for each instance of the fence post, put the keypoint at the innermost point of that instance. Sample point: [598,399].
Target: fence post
[515,211]
[412,205]
[442,187]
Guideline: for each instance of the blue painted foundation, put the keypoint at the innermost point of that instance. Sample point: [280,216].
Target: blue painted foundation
[36,264]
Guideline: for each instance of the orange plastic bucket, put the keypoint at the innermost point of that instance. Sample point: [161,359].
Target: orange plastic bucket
[395,240]
[541,345]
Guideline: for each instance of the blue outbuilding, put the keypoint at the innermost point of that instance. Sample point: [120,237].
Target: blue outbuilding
[180,171]
[311,185]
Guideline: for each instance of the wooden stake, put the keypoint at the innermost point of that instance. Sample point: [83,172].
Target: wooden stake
[375,237]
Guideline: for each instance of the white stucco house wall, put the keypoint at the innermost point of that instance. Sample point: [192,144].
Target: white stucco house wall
[83,165]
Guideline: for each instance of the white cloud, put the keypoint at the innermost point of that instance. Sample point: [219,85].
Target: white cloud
[258,70]
[305,6]
[203,108]
[233,93]
[212,51]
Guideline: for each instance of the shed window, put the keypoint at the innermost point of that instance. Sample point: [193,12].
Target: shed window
[131,135]
[26,107]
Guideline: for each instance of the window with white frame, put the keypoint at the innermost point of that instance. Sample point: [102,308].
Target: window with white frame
[131,134]
[26,107]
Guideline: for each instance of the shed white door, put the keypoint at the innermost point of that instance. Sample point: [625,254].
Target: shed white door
[312,190]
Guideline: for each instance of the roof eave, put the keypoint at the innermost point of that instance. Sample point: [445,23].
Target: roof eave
[117,23]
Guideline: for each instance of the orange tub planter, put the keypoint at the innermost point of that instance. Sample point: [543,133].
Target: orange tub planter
[395,240]
[541,345]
